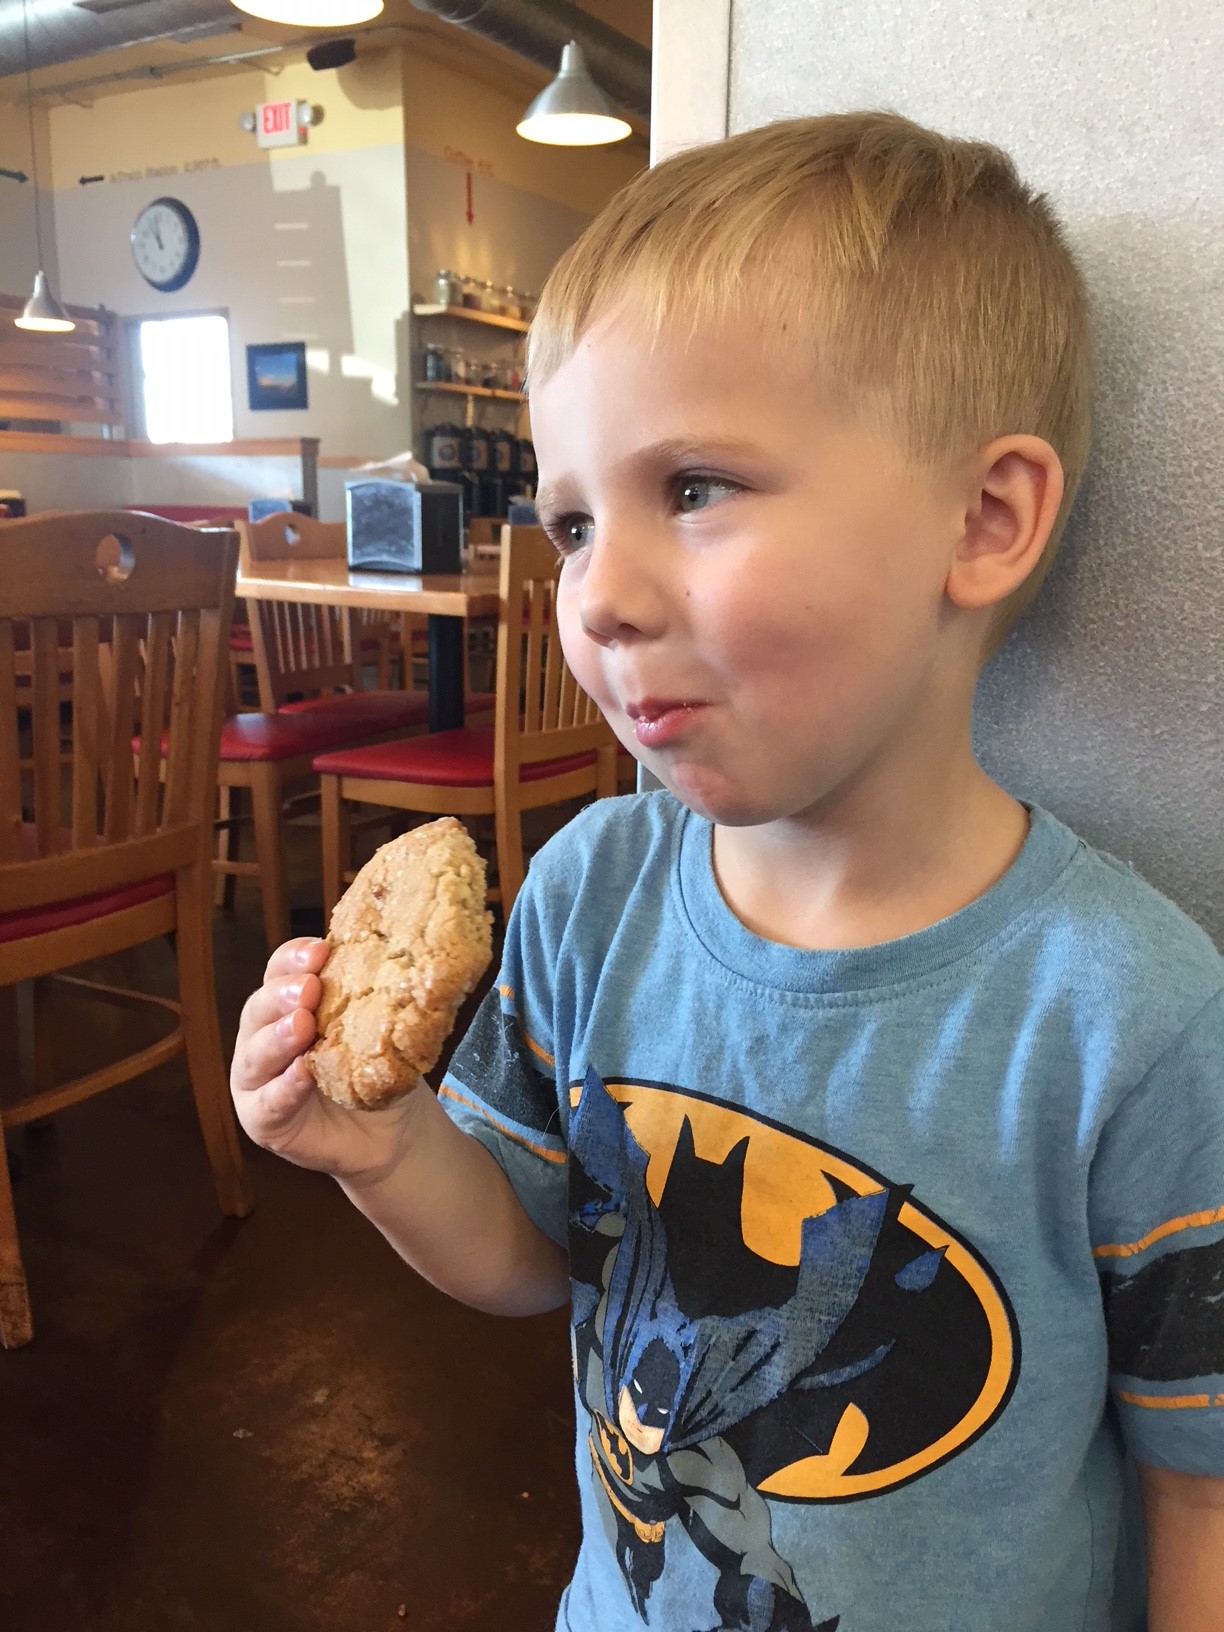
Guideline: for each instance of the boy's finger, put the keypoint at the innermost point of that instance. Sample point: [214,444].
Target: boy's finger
[275,998]
[270,1050]
[271,1116]
[306,952]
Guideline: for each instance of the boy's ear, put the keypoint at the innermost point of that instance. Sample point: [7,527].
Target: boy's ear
[1017,489]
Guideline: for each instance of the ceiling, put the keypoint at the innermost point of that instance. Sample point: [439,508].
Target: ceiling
[400,25]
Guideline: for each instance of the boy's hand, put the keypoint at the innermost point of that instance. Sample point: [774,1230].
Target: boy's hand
[274,1093]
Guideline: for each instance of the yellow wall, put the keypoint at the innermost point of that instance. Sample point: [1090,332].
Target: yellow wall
[472,125]
[18,260]
[174,128]
[383,98]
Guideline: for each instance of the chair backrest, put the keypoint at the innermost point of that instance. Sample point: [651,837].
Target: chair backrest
[288,536]
[542,712]
[147,604]
[299,651]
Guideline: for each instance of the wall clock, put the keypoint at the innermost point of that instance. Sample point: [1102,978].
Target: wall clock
[165,244]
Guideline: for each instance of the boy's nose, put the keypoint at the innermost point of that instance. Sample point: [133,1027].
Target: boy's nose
[619,597]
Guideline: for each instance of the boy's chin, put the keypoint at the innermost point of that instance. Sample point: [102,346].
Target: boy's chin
[712,797]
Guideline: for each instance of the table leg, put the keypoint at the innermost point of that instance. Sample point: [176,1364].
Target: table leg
[445,673]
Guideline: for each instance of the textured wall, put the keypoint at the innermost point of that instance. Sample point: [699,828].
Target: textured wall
[1106,704]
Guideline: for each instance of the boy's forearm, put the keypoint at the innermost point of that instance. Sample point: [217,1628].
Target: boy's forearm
[1184,1526]
[449,1211]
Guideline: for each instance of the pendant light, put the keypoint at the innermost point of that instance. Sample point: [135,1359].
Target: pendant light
[312,13]
[43,312]
[573,111]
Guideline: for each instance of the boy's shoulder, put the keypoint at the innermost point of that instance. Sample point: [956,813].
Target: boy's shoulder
[1120,915]
[1105,946]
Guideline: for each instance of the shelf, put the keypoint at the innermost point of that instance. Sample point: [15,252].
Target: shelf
[451,390]
[470,315]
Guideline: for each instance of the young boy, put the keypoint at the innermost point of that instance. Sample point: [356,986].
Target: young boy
[871,1120]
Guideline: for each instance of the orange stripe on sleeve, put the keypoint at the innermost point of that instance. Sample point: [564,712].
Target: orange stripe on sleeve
[1192,1221]
[1170,1402]
[508,993]
[557,1156]
[535,1048]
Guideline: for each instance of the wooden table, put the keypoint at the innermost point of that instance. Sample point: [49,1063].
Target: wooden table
[446,599]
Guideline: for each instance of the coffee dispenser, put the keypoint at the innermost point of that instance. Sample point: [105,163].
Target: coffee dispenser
[504,480]
[475,452]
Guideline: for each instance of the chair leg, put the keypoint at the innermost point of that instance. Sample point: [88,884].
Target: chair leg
[270,854]
[202,1037]
[508,825]
[228,845]
[44,1058]
[16,1327]
[337,841]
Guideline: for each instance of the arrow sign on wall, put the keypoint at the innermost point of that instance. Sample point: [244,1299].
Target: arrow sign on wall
[14,175]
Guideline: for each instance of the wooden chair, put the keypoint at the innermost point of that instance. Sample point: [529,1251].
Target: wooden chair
[310,701]
[300,635]
[113,855]
[548,742]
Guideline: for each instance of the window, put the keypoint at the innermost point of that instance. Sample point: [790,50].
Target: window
[183,375]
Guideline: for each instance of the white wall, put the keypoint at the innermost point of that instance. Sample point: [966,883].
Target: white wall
[1106,704]
[341,213]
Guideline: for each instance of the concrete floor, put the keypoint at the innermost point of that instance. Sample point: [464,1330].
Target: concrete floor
[265,1426]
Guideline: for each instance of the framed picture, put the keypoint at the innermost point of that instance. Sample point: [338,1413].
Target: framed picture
[276,375]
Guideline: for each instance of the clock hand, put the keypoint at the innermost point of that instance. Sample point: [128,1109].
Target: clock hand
[157,235]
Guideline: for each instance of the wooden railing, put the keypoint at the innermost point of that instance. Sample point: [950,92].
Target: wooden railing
[67,379]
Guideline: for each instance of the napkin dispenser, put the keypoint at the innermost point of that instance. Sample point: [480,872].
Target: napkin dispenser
[404,526]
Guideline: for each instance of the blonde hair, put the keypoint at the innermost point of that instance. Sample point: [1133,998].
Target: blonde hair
[935,289]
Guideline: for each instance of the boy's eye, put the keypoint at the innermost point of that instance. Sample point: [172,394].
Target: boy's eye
[570,533]
[700,492]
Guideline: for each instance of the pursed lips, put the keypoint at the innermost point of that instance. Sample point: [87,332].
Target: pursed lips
[658,721]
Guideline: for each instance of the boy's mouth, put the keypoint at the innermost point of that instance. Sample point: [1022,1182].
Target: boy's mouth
[659,721]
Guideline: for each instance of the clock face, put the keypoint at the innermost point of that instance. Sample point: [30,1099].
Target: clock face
[166,243]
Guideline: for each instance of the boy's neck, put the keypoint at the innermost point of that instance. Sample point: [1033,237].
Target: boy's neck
[872,870]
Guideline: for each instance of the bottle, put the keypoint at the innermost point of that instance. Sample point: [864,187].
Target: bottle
[435,362]
[444,288]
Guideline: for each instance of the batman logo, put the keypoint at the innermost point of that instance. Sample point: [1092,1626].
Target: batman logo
[750,1229]
[616,1449]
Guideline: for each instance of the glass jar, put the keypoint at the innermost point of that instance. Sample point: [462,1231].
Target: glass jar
[444,288]
[527,305]
[488,298]
[458,366]
[470,296]
[509,302]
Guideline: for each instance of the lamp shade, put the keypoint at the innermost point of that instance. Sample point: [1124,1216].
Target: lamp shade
[572,111]
[312,13]
[43,312]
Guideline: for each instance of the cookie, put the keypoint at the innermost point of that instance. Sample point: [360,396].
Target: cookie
[409,939]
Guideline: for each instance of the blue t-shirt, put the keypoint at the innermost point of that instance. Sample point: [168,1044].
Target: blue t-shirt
[881,1258]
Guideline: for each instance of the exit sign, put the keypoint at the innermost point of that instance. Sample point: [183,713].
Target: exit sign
[277,125]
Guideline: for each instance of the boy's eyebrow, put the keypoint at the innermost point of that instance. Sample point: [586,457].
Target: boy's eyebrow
[673,451]
[698,449]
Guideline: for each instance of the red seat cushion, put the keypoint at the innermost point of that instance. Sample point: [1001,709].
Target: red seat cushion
[221,514]
[366,713]
[61,914]
[283,736]
[240,638]
[451,759]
